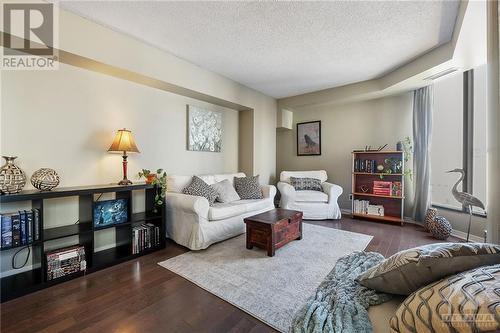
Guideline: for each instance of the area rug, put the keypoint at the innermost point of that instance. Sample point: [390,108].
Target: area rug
[271,289]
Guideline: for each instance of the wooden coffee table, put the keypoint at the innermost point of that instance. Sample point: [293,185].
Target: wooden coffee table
[273,229]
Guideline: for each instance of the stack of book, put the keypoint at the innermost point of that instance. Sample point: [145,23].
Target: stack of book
[62,262]
[21,228]
[369,166]
[382,188]
[397,189]
[144,237]
[360,206]
[364,207]
[377,210]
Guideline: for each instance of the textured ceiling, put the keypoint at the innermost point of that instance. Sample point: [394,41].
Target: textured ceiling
[284,48]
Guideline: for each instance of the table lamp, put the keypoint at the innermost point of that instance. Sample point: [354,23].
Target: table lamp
[124,142]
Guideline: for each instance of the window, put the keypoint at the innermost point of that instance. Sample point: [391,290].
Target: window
[480,142]
[459,137]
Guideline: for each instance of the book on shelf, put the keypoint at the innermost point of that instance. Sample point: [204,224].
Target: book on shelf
[65,261]
[387,188]
[20,228]
[364,207]
[377,210]
[397,189]
[16,230]
[6,221]
[23,228]
[368,166]
[29,222]
[36,224]
[145,236]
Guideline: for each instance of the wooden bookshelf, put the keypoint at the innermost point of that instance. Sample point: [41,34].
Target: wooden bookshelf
[28,281]
[393,204]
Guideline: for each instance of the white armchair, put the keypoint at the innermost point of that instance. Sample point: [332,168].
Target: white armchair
[315,205]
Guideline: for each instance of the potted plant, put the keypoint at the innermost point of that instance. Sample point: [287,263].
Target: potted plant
[148,175]
[395,165]
[159,180]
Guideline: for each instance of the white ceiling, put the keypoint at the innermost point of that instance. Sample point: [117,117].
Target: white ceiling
[284,48]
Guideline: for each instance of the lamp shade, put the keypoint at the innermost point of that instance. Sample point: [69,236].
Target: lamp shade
[124,141]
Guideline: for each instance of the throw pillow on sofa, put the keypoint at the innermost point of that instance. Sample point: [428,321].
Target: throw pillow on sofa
[248,187]
[409,270]
[466,302]
[201,189]
[225,191]
[306,184]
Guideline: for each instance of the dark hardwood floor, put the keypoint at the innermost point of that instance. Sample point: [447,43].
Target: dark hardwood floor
[141,296]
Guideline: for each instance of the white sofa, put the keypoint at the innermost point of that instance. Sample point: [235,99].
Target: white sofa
[315,205]
[193,223]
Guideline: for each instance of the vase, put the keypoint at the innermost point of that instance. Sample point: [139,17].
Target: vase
[399,146]
[430,215]
[12,178]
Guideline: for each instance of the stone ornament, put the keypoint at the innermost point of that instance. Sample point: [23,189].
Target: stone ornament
[45,179]
[440,228]
[12,178]
[429,217]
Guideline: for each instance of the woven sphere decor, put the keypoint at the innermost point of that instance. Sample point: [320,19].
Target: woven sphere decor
[440,228]
[429,217]
[12,178]
[45,179]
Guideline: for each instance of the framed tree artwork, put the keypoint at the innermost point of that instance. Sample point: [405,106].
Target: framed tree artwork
[309,138]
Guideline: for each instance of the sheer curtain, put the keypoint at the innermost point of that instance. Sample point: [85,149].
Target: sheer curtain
[422,129]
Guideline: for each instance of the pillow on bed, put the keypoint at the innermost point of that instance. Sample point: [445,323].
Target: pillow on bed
[408,270]
[306,184]
[199,188]
[466,302]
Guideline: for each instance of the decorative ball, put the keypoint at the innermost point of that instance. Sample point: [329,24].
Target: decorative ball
[440,228]
[429,217]
[45,179]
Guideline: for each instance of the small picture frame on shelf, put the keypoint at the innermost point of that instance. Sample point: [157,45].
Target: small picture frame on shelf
[309,138]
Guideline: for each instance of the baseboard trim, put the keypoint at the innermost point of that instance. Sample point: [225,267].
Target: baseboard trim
[455,233]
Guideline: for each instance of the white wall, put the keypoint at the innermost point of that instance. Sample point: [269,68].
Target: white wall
[344,128]
[71,117]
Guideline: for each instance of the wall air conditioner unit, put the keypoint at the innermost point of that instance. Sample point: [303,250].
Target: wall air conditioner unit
[285,119]
[441,74]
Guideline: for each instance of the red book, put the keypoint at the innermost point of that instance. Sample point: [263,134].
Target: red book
[381,184]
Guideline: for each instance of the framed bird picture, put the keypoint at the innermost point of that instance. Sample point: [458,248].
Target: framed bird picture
[309,138]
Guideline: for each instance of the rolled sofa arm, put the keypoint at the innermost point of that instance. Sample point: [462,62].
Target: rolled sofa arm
[188,203]
[287,193]
[334,191]
[268,191]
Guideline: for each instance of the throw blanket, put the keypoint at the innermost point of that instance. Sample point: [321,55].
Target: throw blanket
[340,303]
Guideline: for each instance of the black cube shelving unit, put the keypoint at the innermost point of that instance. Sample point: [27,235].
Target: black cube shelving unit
[25,282]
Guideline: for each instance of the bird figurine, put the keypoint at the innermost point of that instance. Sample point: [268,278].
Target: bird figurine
[466,199]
